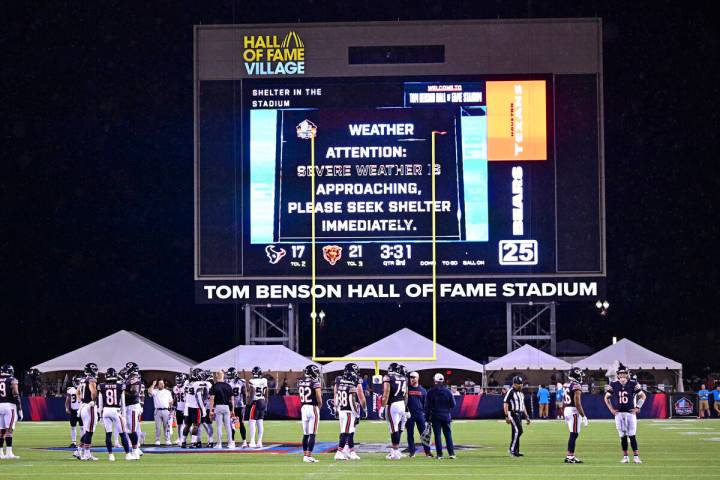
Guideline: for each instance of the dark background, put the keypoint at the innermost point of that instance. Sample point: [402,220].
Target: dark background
[97,184]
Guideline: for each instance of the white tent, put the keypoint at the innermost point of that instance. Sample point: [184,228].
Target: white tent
[633,356]
[115,351]
[406,343]
[268,357]
[527,357]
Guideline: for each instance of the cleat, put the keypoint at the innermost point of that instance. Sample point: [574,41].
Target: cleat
[130,456]
[140,452]
[157,443]
[111,457]
[572,460]
[72,445]
[91,458]
[625,459]
[259,445]
[10,456]
[77,455]
[251,445]
[310,460]
[339,455]
[183,445]
[411,455]
[636,459]
[440,457]
[211,445]
[2,455]
[353,456]
[392,456]
[453,457]
[218,446]
[231,445]
[244,444]
[429,455]
[168,443]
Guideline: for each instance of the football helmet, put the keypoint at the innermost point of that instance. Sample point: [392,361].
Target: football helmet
[196,374]
[7,370]
[576,374]
[393,368]
[179,379]
[91,369]
[132,368]
[352,367]
[76,380]
[208,375]
[231,373]
[622,369]
[312,371]
[111,375]
[351,376]
[402,370]
[517,380]
[257,372]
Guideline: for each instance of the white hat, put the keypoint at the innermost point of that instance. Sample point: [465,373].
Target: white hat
[439,378]
[414,375]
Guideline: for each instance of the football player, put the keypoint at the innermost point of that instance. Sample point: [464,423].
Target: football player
[394,406]
[87,391]
[72,406]
[111,404]
[133,408]
[344,399]
[179,402]
[310,399]
[257,405]
[239,394]
[207,423]
[194,408]
[354,370]
[573,411]
[624,398]
[10,410]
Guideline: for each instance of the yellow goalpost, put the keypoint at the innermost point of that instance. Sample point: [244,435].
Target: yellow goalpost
[313,314]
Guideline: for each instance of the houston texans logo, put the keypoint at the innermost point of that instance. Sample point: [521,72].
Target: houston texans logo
[274,256]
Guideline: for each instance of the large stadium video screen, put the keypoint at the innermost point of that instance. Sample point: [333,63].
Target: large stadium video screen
[515,168]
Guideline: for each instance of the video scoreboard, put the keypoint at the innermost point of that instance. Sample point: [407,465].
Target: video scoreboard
[302,125]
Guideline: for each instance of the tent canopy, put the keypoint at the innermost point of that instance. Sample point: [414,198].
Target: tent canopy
[268,357]
[407,343]
[527,357]
[115,351]
[629,354]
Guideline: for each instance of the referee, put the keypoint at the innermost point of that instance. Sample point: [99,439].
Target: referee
[514,408]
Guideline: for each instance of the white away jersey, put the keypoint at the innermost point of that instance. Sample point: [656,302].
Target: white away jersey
[196,393]
[258,388]
[72,392]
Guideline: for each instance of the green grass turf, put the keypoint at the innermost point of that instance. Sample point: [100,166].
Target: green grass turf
[670,449]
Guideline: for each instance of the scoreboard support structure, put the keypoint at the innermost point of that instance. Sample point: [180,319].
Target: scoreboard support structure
[532,323]
[272,324]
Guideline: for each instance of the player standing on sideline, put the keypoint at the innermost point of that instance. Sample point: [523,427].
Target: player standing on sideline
[628,398]
[352,369]
[346,407]
[10,410]
[310,398]
[88,413]
[72,407]
[133,408]
[394,405]
[416,406]
[514,410]
[207,423]
[179,402]
[257,405]
[574,412]
[239,394]
[111,405]
[194,408]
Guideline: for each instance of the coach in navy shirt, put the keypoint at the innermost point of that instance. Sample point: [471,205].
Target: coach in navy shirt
[416,406]
[440,403]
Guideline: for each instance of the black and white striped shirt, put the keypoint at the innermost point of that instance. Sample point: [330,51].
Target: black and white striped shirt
[515,400]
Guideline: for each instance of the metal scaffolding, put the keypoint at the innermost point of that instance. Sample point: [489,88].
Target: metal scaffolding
[272,324]
[532,323]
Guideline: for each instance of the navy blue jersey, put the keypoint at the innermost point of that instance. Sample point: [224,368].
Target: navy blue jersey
[306,390]
[416,400]
[398,387]
[6,389]
[132,391]
[84,389]
[623,395]
[345,394]
[569,390]
[111,394]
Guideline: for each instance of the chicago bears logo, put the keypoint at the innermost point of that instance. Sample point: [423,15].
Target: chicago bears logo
[274,256]
[332,253]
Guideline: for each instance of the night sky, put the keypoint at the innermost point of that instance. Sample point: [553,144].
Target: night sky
[97,185]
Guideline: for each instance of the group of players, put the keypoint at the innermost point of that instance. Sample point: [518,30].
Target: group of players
[118,402]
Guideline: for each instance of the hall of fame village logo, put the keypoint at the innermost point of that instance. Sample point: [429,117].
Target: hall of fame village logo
[267,55]
[684,407]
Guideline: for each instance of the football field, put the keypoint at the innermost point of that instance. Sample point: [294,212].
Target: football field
[669,449]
